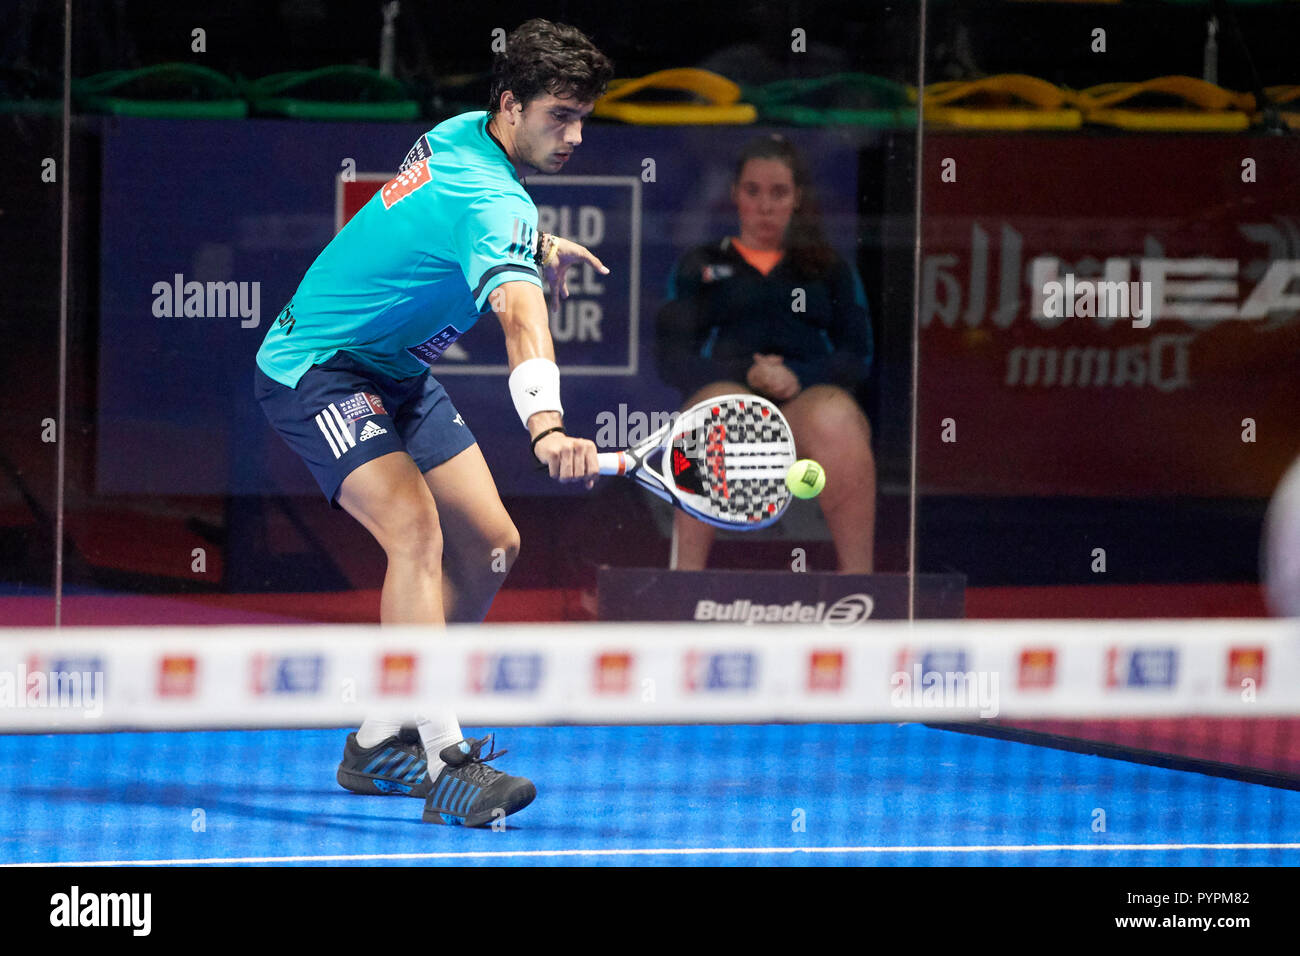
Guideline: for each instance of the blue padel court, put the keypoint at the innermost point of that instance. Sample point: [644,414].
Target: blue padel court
[798,795]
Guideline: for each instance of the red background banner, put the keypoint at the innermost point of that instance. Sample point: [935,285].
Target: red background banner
[1096,406]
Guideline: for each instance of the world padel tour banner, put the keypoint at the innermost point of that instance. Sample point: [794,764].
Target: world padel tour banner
[207,228]
[1109,315]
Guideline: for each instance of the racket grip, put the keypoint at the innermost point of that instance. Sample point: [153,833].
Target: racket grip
[612,462]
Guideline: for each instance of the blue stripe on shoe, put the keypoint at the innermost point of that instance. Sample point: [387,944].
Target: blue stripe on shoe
[417,771]
[399,768]
[470,792]
[447,783]
[378,760]
[454,799]
[386,768]
[444,802]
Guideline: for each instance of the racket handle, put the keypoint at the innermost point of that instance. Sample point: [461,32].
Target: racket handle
[612,462]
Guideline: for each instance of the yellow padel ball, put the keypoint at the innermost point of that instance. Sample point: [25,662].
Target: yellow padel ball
[806,478]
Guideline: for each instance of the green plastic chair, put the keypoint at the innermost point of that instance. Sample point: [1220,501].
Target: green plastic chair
[842,99]
[342,93]
[169,90]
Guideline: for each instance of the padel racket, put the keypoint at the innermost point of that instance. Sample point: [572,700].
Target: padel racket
[722,461]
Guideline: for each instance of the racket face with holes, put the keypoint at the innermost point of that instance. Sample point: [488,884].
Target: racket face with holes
[724,462]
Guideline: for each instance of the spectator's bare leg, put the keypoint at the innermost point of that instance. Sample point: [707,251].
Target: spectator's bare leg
[830,427]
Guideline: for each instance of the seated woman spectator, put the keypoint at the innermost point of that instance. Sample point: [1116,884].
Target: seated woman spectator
[776,312]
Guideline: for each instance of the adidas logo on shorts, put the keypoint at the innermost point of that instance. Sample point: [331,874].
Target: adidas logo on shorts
[338,432]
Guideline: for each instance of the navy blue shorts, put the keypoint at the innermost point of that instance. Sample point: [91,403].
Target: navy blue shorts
[345,413]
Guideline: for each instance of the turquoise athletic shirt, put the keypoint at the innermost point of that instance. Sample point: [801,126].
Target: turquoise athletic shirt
[413,269]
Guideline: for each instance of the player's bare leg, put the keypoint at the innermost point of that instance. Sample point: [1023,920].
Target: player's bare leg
[829,426]
[695,538]
[389,496]
[479,541]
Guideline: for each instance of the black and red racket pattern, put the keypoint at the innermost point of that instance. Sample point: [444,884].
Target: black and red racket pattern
[723,461]
[745,444]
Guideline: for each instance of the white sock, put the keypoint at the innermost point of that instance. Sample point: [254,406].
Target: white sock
[375,730]
[436,732]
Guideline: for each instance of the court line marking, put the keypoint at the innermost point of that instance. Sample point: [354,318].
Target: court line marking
[680,851]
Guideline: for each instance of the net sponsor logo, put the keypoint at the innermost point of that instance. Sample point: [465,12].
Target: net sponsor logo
[826,671]
[505,673]
[941,679]
[1037,668]
[75,908]
[613,673]
[65,683]
[177,675]
[397,674]
[934,658]
[720,671]
[287,673]
[1245,664]
[1155,667]
[846,612]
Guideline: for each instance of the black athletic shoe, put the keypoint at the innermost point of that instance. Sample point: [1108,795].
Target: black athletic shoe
[470,793]
[396,765]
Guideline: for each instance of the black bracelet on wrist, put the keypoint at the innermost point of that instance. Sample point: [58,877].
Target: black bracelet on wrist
[544,242]
[543,434]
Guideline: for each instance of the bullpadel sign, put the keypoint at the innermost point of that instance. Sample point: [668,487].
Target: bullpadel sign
[773,597]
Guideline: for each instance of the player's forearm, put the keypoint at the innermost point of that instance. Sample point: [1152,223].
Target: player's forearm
[527,337]
[521,310]
[525,322]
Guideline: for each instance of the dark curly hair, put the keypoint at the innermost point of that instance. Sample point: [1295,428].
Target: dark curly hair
[543,57]
[805,239]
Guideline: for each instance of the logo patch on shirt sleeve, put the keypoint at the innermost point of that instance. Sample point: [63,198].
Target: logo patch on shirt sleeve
[431,350]
[397,189]
[421,150]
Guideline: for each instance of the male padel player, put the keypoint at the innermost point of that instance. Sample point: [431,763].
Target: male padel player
[344,377]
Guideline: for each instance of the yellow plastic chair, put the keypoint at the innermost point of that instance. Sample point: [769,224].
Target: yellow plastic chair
[1207,108]
[1006,101]
[1287,100]
[717,99]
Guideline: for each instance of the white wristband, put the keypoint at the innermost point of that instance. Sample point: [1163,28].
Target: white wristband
[535,387]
